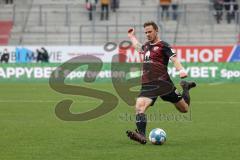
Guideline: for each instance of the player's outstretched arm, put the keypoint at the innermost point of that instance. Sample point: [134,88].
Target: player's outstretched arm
[179,67]
[136,44]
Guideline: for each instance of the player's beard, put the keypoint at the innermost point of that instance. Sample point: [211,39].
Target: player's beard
[153,40]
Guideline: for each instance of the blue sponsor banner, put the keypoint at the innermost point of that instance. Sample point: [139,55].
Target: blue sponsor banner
[235,57]
[24,55]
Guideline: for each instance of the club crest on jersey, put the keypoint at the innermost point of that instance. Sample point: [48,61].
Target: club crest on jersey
[155,48]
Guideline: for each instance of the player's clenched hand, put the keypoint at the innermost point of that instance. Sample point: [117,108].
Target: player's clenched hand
[131,32]
[183,73]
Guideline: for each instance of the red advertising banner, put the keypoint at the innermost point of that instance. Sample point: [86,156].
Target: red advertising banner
[188,54]
[203,53]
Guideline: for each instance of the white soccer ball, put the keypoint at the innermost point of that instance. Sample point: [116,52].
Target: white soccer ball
[157,136]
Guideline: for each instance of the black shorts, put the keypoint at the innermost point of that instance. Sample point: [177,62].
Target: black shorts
[164,89]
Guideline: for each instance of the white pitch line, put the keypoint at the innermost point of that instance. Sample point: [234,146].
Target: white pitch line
[215,83]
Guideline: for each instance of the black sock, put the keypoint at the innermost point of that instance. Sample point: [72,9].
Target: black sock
[186,96]
[141,123]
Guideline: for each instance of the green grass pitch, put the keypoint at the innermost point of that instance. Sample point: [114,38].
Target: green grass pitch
[29,128]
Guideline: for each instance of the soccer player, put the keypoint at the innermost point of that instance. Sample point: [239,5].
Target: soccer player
[155,78]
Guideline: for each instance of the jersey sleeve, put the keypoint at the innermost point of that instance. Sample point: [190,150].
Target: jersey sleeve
[168,51]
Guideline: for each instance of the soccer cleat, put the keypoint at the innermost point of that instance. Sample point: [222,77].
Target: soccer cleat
[136,136]
[187,85]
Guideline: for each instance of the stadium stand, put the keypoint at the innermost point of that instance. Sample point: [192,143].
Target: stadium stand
[65,22]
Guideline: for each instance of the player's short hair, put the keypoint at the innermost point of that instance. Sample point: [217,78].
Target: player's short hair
[151,23]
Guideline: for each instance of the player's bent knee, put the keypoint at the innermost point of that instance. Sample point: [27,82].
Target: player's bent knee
[139,101]
[140,109]
[140,106]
